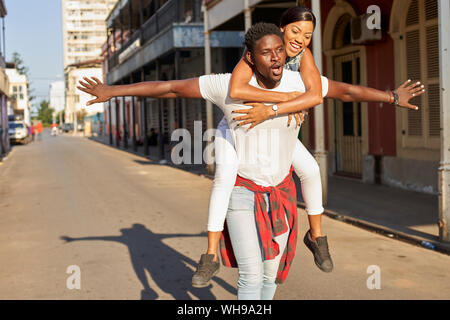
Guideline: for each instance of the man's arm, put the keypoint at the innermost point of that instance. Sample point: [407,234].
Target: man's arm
[188,88]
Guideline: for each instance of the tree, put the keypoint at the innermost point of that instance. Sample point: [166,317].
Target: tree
[45,113]
[23,69]
[81,114]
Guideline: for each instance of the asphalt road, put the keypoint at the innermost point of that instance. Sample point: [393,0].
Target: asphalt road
[135,229]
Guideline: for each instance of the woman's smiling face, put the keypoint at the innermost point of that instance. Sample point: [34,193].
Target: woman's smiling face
[297,36]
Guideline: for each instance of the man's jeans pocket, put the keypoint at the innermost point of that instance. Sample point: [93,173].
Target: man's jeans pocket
[241,199]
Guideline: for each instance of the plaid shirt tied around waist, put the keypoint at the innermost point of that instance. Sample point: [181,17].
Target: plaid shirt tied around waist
[282,199]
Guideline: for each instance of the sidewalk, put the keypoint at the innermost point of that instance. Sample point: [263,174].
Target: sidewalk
[405,215]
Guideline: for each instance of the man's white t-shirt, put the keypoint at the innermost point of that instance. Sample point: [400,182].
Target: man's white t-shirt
[264,152]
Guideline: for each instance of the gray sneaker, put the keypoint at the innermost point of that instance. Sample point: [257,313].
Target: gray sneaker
[206,269]
[319,248]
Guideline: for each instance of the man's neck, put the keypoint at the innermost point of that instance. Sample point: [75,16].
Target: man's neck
[266,83]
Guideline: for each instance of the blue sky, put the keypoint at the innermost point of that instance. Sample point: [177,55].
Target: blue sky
[33,29]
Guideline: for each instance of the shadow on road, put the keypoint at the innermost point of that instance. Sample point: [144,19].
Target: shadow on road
[166,266]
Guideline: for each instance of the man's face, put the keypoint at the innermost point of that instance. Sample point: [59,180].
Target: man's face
[268,58]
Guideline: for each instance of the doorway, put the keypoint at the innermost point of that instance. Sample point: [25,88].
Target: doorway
[348,124]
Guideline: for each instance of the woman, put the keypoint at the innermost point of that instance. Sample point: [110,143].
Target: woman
[297,24]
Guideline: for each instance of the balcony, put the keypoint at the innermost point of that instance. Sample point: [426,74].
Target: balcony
[173,11]
[177,25]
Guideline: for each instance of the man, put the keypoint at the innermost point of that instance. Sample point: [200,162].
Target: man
[39,130]
[273,160]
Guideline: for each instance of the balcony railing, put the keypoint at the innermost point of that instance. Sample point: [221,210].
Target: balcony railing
[173,11]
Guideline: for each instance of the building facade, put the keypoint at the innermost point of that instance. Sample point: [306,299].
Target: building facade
[84,32]
[18,104]
[75,99]
[369,141]
[57,99]
[84,29]
[4,90]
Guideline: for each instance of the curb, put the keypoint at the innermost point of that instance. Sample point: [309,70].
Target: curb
[369,226]
[386,231]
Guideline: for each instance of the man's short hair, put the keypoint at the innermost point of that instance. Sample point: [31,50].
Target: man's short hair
[259,30]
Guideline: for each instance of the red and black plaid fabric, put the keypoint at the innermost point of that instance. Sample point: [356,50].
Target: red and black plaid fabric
[282,199]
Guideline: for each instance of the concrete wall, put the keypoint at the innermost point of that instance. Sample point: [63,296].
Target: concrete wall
[412,174]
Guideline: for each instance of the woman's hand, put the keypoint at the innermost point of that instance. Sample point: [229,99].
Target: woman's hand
[408,91]
[96,88]
[258,113]
[299,117]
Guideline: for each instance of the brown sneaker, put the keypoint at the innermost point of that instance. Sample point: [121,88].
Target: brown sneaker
[319,248]
[206,269]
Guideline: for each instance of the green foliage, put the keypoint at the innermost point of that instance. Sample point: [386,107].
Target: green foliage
[45,113]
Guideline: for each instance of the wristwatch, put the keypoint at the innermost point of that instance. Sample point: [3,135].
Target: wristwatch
[275,108]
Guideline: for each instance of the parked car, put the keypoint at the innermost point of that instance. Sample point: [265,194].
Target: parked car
[18,132]
[67,127]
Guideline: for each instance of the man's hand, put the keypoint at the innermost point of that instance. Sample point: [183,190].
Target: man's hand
[96,88]
[258,113]
[408,91]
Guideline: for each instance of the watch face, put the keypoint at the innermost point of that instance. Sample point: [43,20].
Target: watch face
[275,107]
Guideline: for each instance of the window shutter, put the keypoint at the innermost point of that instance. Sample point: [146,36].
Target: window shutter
[432,32]
[413,68]
[434,110]
[431,9]
[433,51]
[413,14]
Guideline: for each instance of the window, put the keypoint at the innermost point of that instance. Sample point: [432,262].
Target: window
[14,88]
[421,40]
[15,125]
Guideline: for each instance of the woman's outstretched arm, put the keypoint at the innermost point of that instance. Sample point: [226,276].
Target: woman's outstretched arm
[349,93]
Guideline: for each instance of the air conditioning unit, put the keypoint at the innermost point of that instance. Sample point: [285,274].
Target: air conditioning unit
[363,31]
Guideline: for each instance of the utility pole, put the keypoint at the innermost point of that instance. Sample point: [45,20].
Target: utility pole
[319,126]
[209,107]
[247,15]
[444,165]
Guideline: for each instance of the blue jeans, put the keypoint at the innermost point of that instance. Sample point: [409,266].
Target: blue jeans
[256,277]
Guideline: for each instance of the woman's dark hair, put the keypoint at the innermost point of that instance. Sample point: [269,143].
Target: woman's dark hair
[295,14]
[259,30]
